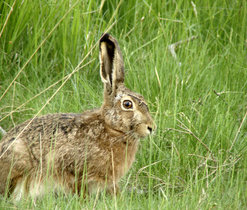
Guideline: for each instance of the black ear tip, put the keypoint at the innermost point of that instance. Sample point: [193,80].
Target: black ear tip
[104,37]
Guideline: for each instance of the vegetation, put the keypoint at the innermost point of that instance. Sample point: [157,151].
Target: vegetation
[197,158]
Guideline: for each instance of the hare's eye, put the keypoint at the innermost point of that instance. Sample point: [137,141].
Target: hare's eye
[127,104]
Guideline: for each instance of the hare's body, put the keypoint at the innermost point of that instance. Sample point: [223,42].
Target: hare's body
[78,152]
[66,143]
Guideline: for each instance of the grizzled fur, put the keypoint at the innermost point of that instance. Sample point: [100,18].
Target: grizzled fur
[78,152]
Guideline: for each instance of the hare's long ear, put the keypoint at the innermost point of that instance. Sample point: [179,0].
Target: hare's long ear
[112,66]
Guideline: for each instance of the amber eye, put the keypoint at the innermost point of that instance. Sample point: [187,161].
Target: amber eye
[127,104]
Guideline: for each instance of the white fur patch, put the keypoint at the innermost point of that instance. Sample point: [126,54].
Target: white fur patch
[19,190]
[118,97]
[36,189]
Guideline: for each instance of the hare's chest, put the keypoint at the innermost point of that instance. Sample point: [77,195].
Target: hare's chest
[124,159]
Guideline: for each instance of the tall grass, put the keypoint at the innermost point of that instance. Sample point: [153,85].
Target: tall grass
[198,156]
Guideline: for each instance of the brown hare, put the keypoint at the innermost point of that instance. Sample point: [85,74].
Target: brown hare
[78,153]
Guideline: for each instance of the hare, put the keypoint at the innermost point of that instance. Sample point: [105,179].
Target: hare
[78,153]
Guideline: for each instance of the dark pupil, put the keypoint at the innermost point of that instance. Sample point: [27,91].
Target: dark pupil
[127,104]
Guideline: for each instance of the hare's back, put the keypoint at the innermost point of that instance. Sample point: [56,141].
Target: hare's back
[50,128]
[44,126]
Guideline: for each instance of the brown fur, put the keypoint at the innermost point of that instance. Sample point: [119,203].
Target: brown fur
[78,152]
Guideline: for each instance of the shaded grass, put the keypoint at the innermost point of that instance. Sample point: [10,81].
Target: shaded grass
[197,157]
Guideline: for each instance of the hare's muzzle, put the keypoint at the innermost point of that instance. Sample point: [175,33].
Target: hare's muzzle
[151,128]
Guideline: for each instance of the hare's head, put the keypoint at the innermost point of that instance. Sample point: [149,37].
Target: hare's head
[124,111]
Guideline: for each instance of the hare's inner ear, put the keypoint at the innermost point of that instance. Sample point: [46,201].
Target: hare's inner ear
[112,67]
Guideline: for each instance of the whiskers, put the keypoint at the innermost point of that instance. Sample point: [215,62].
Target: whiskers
[129,138]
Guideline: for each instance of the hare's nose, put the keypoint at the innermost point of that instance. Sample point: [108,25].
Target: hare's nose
[150,129]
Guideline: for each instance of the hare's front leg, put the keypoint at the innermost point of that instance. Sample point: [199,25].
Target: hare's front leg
[113,190]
